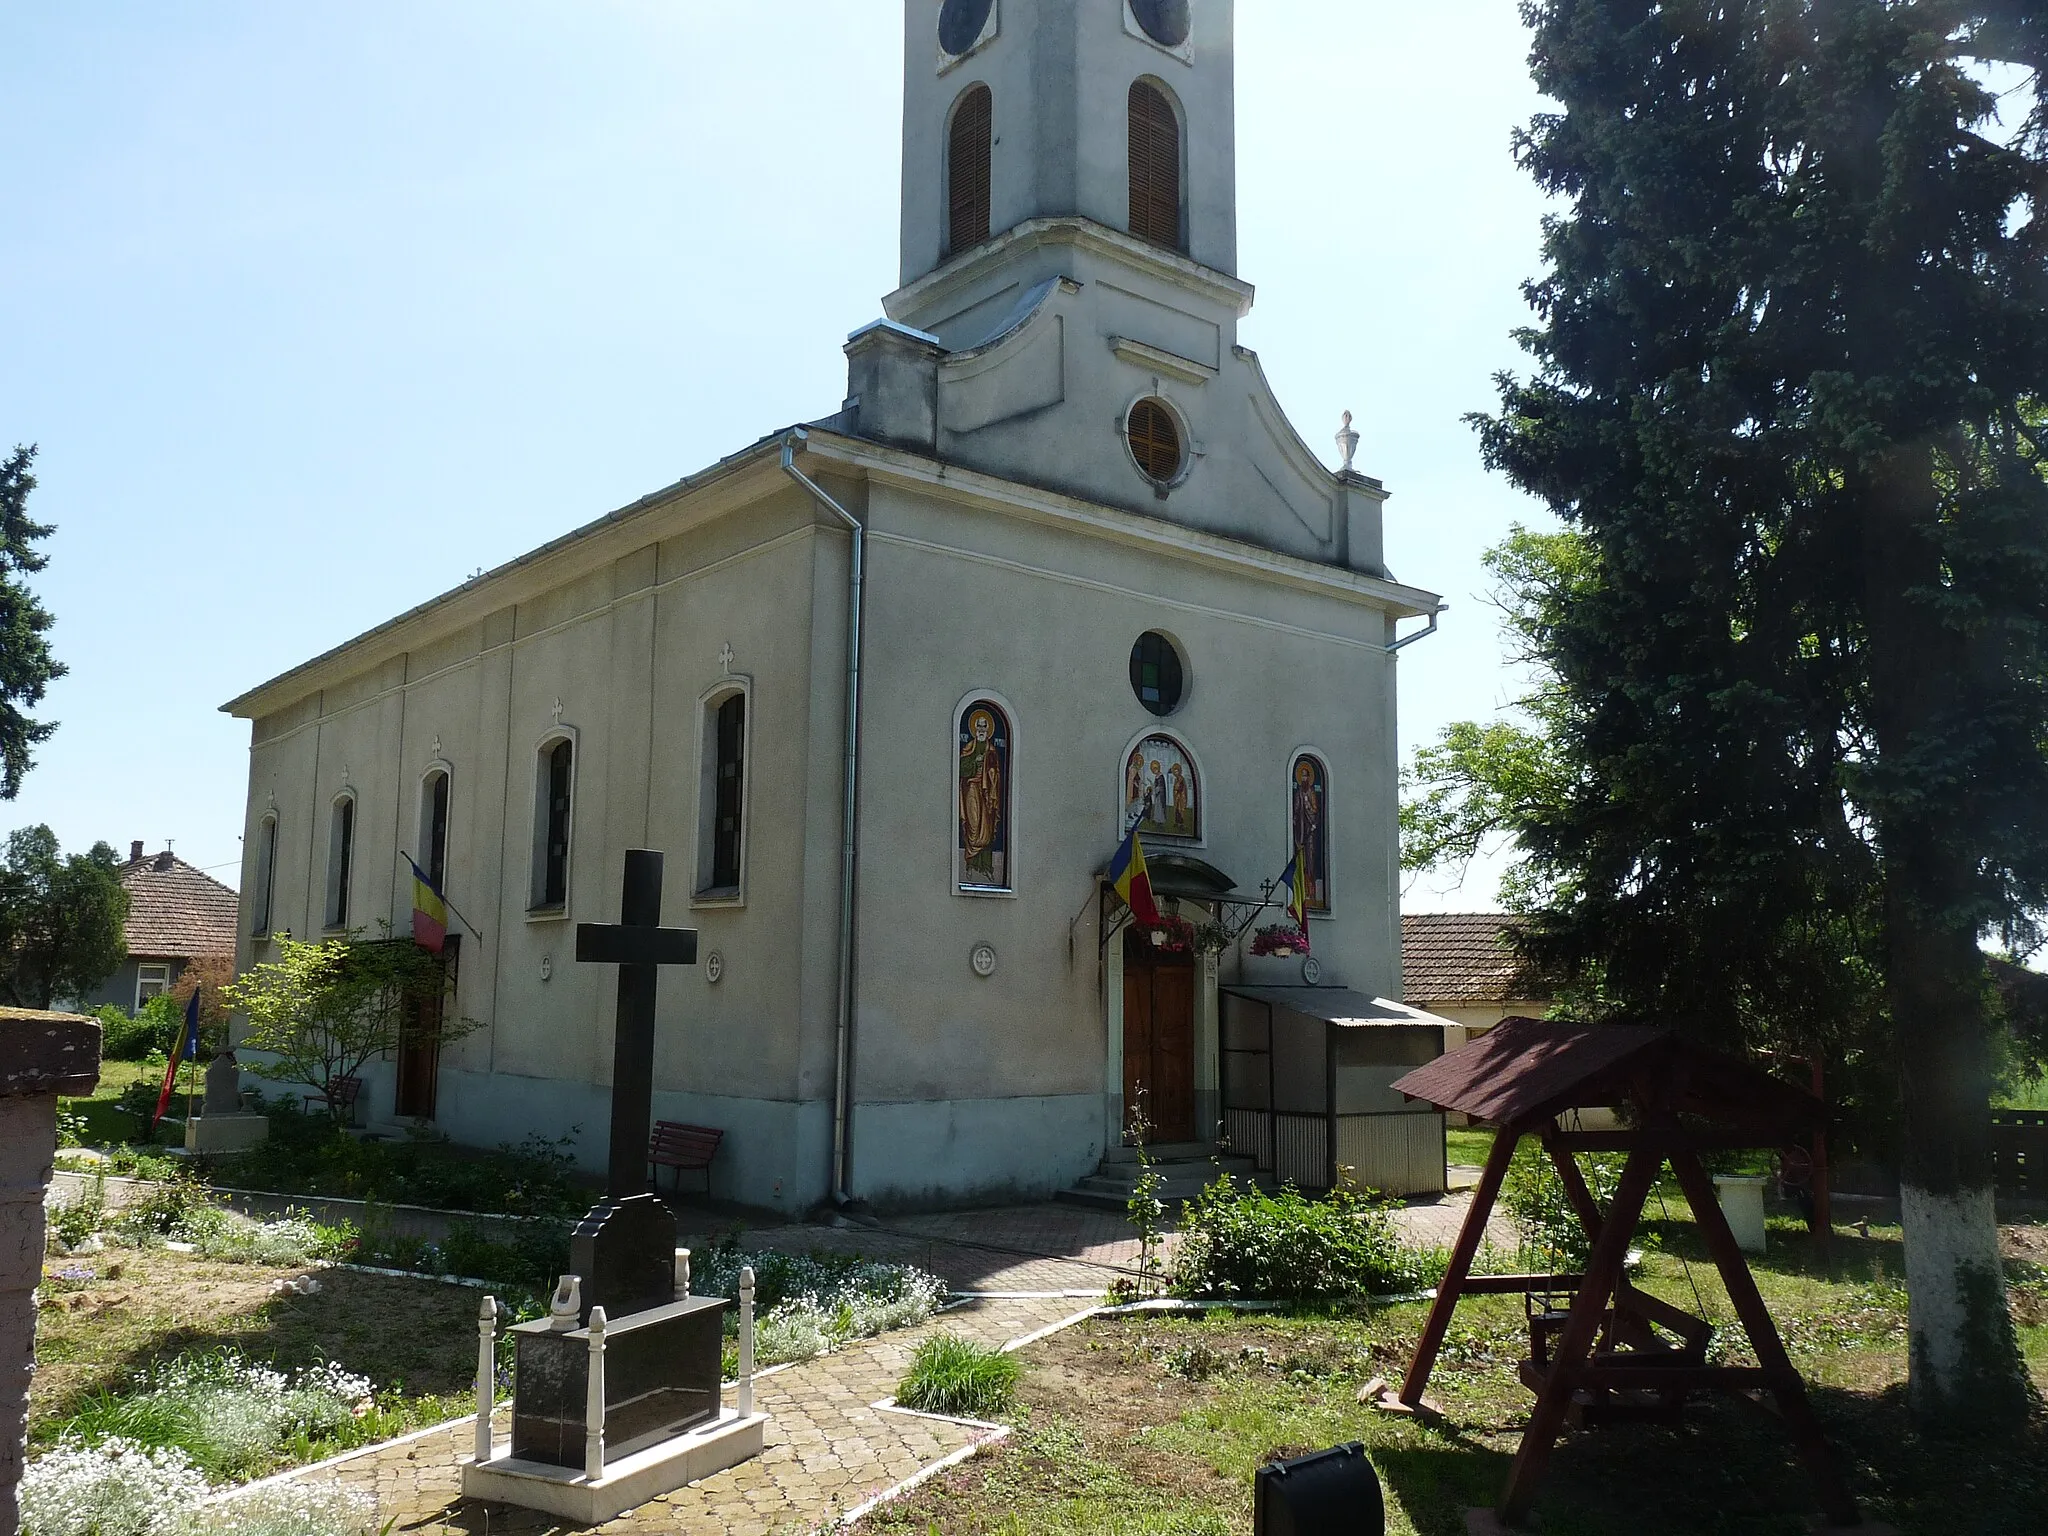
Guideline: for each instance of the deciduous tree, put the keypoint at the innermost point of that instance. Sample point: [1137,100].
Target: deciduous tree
[1790,350]
[63,921]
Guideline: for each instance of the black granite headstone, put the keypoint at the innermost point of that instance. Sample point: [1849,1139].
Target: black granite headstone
[662,1378]
[624,1249]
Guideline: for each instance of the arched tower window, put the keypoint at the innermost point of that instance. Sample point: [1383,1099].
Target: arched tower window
[969,169]
[1155,166]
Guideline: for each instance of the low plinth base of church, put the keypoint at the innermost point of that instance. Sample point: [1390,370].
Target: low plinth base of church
[628,1482]
[225,1133]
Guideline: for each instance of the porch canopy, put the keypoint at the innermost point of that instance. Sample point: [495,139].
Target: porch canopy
[1308,1087]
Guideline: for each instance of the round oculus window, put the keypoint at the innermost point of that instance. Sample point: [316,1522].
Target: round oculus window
[1166,22]
[1158,676]
[1154,435]
[962,22]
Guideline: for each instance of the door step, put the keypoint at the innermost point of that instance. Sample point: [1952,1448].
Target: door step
[1180,1180]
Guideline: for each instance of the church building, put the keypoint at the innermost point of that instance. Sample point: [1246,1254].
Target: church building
[890,688]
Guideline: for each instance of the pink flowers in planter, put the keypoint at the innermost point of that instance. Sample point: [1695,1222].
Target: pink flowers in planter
[1280,939]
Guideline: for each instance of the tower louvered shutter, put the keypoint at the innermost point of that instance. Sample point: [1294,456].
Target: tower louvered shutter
[968,170]
[1155,167]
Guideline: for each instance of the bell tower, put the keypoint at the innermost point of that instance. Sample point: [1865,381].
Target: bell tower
[1117,111]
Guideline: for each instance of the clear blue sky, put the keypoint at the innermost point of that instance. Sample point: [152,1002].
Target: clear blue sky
[317,308]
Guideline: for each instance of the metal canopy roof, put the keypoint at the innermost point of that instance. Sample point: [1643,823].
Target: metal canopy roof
[1527,1070]
[1339,1005]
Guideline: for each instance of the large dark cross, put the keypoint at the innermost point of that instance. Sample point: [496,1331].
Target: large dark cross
[625,1248]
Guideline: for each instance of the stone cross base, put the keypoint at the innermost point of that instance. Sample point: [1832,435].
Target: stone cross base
[215,1132]
[627,1483]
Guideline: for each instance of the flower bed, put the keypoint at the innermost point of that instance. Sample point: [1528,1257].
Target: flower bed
[812,1304]
[118,1488]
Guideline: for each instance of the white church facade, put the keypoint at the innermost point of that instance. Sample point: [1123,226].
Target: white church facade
[889,688]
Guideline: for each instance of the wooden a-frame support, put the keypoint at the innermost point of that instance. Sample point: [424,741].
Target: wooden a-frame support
[1573,1367]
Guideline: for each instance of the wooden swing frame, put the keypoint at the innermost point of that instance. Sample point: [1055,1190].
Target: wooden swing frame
[1681,1101]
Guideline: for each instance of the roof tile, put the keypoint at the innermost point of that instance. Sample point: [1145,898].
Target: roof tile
[1462,957]
[176,911]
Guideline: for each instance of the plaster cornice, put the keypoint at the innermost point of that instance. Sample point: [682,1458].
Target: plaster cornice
[963,272]
[752,475]
[1155,535]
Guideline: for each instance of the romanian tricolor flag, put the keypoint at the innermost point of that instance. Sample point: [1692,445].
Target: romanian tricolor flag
[1294,880]
[1130,880]
[429,913]
[187,1050]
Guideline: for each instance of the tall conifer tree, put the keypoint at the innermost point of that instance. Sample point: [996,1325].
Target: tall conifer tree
[1792,353]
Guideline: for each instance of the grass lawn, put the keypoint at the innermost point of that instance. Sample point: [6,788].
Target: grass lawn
[1155,1427]
[415,1340]
[1468,1147]
[106,1124]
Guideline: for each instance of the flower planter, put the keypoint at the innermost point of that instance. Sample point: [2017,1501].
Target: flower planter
[1271,970]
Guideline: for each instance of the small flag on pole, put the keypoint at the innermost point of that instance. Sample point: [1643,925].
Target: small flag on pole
[1129,878]
[187,1050]
[429,912]
[1294,880]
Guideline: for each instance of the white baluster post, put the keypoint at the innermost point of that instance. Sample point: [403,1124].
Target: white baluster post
[746,1393]
[593,1401]
[486,1375]
[682,1274]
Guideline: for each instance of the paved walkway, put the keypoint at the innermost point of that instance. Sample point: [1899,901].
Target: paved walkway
[830,1450]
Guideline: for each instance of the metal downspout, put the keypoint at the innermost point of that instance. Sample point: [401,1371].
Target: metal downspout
[850,846]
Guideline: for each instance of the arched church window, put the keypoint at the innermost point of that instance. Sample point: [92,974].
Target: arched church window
[435,790]
[1308,825]
[1155,166]
[985,824]
[969,170]
[341,854]
[1154,435]
[554,793]
[263,890]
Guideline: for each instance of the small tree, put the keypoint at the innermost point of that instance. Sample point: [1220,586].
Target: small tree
[63,922]
[322,1012]
[210,976]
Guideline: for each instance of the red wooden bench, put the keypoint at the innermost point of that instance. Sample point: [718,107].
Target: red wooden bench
[341,1095]
[683,1148]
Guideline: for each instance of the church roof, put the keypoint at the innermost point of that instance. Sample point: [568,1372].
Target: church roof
[177,912]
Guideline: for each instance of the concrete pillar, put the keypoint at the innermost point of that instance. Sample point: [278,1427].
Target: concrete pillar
[42,1055]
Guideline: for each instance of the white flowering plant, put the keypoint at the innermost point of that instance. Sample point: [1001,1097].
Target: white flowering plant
[118,1488]
[812,1304]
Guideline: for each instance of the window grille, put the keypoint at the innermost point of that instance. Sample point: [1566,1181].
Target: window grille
[1155,167]
[969,170]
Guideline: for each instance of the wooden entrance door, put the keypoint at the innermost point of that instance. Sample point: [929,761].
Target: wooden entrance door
[1159,1039]
[419,1042]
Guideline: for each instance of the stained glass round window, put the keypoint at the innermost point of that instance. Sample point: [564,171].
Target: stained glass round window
[1158,676]
[962,22]
[1166,22]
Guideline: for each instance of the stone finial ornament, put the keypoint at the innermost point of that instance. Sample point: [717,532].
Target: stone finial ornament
[1347,443]
[565,1312]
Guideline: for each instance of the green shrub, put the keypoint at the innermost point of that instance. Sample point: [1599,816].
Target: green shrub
[125,1038]
[959,1378]
[76,1220]
[1532,1195]
[1239,1242]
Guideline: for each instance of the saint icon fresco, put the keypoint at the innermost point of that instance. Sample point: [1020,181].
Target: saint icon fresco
[1162,792]
[1309,826]
[984,832]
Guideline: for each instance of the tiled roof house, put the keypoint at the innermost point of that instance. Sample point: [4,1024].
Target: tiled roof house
[1458,966]
[175,915]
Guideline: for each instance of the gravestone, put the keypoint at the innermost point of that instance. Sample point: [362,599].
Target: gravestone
[624,1249]
[223,1124]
